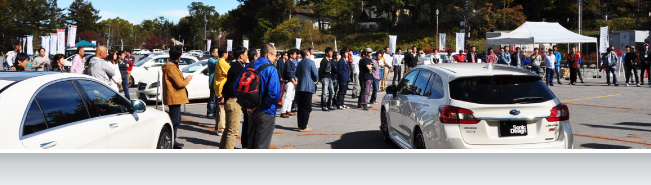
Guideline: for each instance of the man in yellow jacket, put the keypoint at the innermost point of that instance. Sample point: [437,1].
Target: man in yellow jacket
[174,92]
[221,72]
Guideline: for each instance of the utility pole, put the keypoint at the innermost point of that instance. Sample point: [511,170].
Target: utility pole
[465,23]
[580,18]
[109,38]
[437,27]
[205,37]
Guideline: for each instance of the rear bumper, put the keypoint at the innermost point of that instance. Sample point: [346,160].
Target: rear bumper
[564,141]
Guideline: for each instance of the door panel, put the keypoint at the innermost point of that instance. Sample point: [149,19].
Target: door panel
[405,89]
[124,130]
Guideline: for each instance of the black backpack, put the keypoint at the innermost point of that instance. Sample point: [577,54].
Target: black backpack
[248,88]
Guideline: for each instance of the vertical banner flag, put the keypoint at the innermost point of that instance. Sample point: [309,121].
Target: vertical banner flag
[246,44]
[208,42]
[441,41]
[61,45]
[45,44]
[460,37]
[392,43]
[272,44]
[336,45]
[30,45]
[53,43]
[229,45]
[298,43]
[121,45]
[603,40]
[24,41]
[72,33]
[94,42]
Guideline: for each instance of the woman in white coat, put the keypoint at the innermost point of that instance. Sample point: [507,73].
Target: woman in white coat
[116,80]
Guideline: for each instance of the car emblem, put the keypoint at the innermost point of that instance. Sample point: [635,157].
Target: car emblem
[514,112]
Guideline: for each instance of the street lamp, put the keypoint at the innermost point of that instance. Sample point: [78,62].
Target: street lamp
[437,26]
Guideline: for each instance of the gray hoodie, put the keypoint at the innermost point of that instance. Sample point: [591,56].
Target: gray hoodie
[100,69]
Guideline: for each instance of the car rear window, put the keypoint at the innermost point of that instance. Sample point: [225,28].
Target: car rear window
[500,90]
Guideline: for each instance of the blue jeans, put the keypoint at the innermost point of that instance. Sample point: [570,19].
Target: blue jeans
[125,87]
[376,84]
[211,106]
[549,76]
[335,86]
[557,73]
[611,70]
[327,92]
[535,69]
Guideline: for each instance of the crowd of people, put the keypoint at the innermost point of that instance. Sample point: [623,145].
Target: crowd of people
[253,85]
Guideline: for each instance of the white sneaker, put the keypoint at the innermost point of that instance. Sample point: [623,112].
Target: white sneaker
[639,85]
[626,85]
[219,133]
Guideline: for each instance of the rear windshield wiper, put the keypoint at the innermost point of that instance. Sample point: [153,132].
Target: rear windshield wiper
[526,99]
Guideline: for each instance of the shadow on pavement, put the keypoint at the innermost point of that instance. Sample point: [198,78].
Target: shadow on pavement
[634,124]
[189,127]
[200,141]
[603,146]
[371,139]
[619,128]
[287,128]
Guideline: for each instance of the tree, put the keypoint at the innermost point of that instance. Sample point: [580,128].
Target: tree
[82,14]
[154,42]
[511,18]
[253,18]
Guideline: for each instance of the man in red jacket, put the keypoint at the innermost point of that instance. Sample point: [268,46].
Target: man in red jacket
[573,59]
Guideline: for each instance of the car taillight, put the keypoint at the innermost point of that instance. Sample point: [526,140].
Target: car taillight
[450,114]
[559,113]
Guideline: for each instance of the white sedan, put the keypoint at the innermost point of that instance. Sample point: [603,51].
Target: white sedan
[75,111]
[198,88]
[150,66]
[480,106]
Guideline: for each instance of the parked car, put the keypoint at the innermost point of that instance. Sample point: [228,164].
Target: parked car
[468,105]
[151,65]
[195,52]
[205,55]
[142,52]
[198,88]
[318,56]
[75,111]
[157,51]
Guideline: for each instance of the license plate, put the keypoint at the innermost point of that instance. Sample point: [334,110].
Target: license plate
[513,128]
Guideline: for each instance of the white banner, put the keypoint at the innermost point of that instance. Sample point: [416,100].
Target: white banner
[30,45]
[121,45]
[459,44]
[603,40]
[392,43]
[45,44]
[61,48]
[441,41]
[72,33]
[246,44]
[229,45]
[208,42]
[24,41]
[336,45]
[94,42]
[298,43]
[53,43]
[272,44]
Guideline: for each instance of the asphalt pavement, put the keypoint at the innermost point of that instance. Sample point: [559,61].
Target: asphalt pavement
[602,117]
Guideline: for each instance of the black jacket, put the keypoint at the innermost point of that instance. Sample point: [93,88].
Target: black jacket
[280,67]
[645,57]
[236,69]
[322,68]
[411,60]
[630,59]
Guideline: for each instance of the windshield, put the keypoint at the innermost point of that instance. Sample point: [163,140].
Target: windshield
[319,55]
[500,90]
[143,61]
[195,67]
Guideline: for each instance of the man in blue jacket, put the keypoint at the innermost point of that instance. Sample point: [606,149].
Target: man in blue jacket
[262,120]
[557,69]
[342,68]
[307,75]
[609,61]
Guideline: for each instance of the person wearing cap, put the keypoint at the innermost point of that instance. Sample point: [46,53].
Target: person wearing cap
[609,62]
[365,78]
[550,60]
[645,58]
[630,65]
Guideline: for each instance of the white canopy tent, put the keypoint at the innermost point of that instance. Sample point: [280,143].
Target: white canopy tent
[540,33]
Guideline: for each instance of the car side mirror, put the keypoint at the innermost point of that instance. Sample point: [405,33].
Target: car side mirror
[138,106]
[391,89]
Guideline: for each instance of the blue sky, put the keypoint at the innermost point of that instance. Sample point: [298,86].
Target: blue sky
[135,11]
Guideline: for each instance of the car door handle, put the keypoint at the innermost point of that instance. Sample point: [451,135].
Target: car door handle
[48,145]
[114,125]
